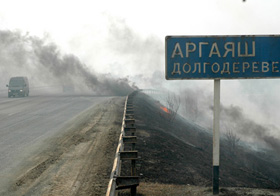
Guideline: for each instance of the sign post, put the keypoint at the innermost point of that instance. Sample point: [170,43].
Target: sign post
[221,57]
[216,137]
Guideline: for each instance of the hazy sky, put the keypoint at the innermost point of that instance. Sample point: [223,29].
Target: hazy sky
[126,38]
[95,30]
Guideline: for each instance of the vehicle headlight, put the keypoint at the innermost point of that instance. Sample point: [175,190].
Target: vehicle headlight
[20,90]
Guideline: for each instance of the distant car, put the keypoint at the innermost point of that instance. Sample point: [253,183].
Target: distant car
[68,88]
[18,86]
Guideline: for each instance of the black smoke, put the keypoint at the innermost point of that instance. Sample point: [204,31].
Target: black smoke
[45,65]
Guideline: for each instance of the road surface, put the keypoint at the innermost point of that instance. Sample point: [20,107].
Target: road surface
[26,125]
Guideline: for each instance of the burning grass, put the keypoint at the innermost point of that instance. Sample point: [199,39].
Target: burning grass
[175,154]
[165,109]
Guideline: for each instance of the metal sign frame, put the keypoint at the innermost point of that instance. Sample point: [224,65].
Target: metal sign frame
[222,57]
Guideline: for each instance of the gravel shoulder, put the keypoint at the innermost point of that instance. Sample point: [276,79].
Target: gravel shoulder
[76,162]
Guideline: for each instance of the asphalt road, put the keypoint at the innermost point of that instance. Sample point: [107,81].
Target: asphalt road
[25,123]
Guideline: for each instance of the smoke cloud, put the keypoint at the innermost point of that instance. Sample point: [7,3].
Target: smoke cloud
[143,55]
[233,116]
[45,65]
[197,106]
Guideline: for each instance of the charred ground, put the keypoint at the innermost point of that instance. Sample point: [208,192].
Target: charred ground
[180,152]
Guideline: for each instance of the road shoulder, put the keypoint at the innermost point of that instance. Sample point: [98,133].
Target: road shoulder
[77,162]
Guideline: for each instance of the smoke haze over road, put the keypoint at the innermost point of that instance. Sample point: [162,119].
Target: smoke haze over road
[45,65]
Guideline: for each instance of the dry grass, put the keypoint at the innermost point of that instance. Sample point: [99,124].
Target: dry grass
[155,189]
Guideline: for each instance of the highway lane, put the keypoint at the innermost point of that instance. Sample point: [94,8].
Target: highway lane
[25,123]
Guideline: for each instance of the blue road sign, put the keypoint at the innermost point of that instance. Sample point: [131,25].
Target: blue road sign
[222,57]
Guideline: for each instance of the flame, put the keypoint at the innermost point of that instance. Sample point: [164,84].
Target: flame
[165,109]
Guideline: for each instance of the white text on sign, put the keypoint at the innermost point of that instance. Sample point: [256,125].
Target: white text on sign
[230,48]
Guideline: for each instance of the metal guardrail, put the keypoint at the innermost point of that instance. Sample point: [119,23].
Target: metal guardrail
[116,180]
[116,166]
